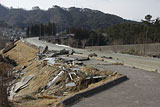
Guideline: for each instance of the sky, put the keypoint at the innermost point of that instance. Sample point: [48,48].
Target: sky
[128,9]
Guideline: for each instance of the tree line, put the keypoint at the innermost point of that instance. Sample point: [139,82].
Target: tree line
[83,37]
[147,31]
[48,29]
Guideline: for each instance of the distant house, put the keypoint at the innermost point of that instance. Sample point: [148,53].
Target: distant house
[3,42]
[36,8]
[56,39]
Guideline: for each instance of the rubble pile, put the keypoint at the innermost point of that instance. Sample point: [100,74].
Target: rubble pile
[71,79]
[51,76]
[58,80]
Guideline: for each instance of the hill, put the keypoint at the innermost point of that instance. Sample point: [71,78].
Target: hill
[62,17]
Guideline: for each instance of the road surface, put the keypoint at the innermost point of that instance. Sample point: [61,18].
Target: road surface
[141,90]
[146,63]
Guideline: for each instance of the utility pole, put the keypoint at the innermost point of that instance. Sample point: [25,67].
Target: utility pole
[57,29]
[40,30]
[52,28]
[44,30]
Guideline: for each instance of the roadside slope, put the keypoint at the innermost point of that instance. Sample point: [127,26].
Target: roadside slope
[22,54]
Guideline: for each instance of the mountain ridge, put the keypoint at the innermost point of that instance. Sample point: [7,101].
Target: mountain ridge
[62,17]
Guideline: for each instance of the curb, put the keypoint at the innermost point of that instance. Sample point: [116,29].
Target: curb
[76,98]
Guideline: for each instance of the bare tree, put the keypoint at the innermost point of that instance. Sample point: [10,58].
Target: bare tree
[83,42]
[148,22]
[116,43]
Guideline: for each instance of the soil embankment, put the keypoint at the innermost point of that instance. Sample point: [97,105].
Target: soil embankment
[6,66]
[17,57]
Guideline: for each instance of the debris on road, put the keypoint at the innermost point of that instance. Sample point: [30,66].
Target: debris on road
[51,61]
[72,84]
[107,57]
[77,63]
[92,55]
[54,75]
[44,52]
[23,83]
[157,70]
[54,80]
[117,63]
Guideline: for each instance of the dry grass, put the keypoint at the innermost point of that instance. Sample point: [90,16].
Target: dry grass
[22,54]
[4,68]
[117,63]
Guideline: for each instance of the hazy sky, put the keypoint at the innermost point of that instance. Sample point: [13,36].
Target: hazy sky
[128,9]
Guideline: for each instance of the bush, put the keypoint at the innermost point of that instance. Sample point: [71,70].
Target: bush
[28,97]
[130,52]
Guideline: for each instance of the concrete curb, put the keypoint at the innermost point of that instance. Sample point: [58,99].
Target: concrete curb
[76,98]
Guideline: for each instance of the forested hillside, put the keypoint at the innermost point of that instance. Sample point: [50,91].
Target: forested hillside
[62,17]
[148,31]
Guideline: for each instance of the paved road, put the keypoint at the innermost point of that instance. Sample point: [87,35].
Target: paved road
[141,90]
[35,41]
[146,63]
